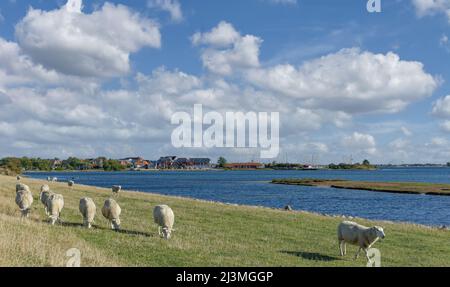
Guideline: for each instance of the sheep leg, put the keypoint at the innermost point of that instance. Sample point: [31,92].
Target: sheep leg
[341,248]
[159,230]
[345,248]
[357,253]
[367,255]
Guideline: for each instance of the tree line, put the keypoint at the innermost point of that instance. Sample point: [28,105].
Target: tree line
[19,165]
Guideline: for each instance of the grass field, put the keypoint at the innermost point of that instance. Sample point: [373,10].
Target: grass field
[392,187]
[207,234]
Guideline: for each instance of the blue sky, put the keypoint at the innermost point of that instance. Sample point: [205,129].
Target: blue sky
[119,105]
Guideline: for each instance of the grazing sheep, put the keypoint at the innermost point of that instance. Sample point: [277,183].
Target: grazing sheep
[70,183]
[164,217]
[44,196]
[355,234]
[49,178]
[111,211]
[116,189]
[55,204]
[88,210]
[54,179]
[21,186]
[18,177]
[24,199]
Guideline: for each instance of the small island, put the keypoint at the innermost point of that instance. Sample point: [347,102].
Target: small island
[391,187]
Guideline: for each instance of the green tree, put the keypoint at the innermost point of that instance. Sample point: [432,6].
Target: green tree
[366,162]
[221,162]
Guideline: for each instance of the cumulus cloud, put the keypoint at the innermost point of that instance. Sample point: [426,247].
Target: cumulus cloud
[431,7]
[350,80]
[17,68]
[89,45]
[135,119]
[441,108]
[360,142]
[173,7]
[227,50]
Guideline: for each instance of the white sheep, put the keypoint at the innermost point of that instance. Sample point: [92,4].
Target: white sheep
[18,177]
[21,186]
[44,195]
[49,178]
[111,211]
[164,217]
[24,199]
[55,204]
[71,183]
[355,234]
[88,210]
[116,189]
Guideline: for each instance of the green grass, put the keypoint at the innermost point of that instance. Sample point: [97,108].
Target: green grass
[392,187]
[207,234]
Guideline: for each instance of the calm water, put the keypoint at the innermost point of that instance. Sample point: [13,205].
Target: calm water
[252,188]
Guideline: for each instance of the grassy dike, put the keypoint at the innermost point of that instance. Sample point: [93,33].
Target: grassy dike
[207,234]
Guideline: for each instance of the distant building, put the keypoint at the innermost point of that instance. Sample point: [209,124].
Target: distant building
[246,165]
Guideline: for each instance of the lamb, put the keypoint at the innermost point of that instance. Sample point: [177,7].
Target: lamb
[355,234]
[24,199]
[44,196]
[111,211]
[164,217]
[116,189]
[55,204]
[88,210]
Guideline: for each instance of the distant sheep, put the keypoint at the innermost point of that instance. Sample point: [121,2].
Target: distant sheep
[88,210]
[116,189]
[24,199]
[164,217]
[18,177]
[355,234]
[44,195]
[55,204]
[71,183]
[111,211]
[49,178]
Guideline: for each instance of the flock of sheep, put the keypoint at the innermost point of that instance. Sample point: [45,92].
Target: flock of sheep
[54,204]
[348,232]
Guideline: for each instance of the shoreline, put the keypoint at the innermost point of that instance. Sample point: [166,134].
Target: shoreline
[416,188]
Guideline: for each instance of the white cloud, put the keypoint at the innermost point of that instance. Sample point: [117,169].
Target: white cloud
[399,144]
[92,45]
[431,7]
[359,142]
[226,50]
[445,126]
[351,81]
[16,68]
[441,108]
[438,142]
[406,131]
[173,7]
[222,35]
[2,18]
[284,2]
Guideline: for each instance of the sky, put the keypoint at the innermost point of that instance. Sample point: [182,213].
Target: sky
[103,78]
